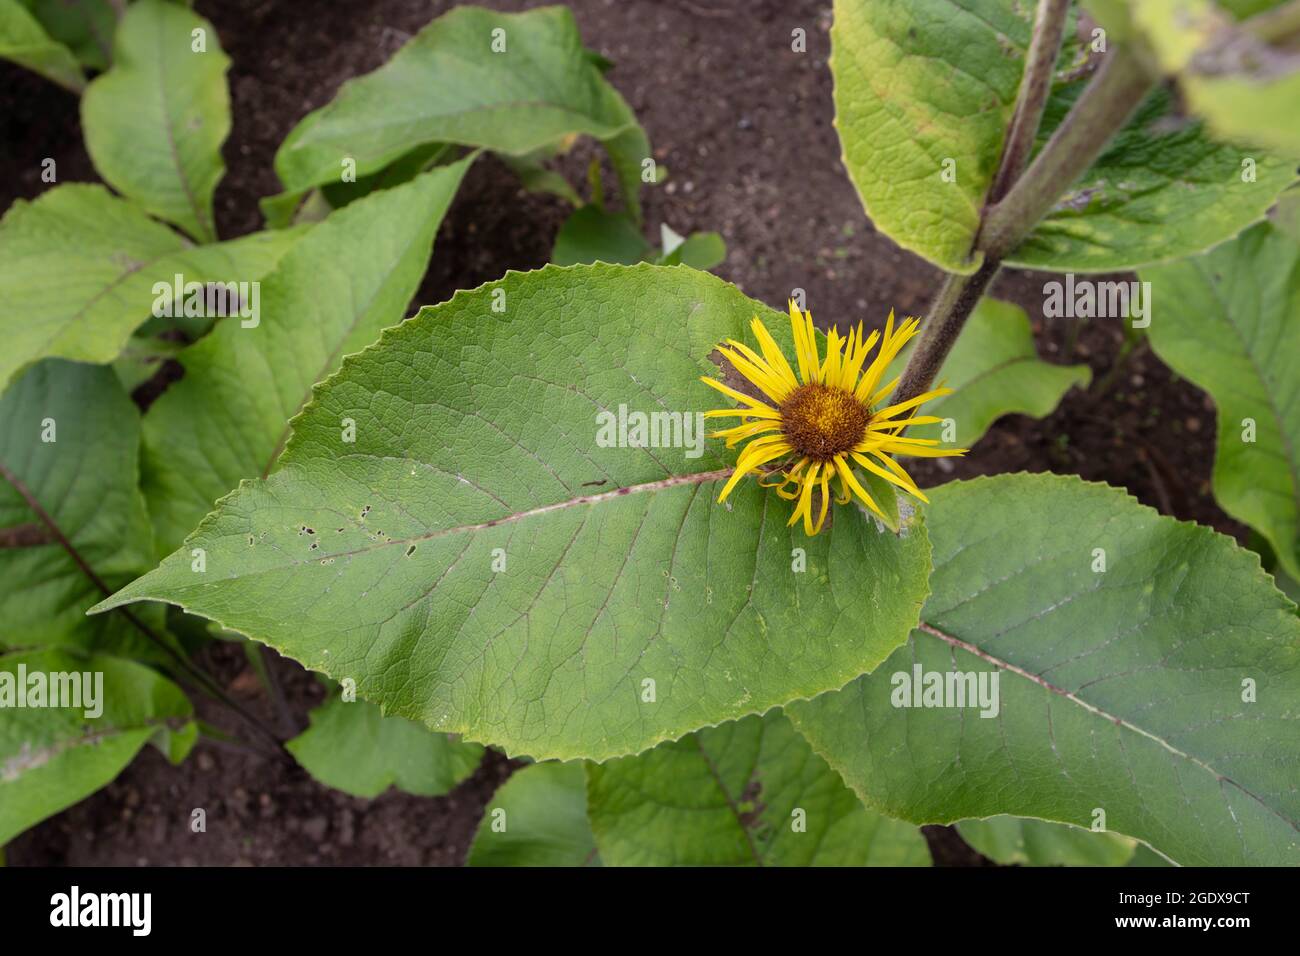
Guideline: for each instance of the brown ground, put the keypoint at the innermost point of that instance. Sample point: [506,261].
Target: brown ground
[744,126]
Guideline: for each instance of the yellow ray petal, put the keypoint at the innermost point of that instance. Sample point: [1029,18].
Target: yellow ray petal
[831,367]
[889,349]
[738,396]
[826,503]
[850,479]
[916,451]
[810,336]
[804,508]
[892,465]
[749,462]
[853,368]
[909,486]
[907,422]
[740,432]
[806,355]
[895,440]
[887,413]
[764,413]
[772,352]
[844,495]
[760,375]
[884,390]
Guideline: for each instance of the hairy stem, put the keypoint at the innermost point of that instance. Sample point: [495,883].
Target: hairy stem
[1031,100]
[956,300]
[1102,110]
[959,294]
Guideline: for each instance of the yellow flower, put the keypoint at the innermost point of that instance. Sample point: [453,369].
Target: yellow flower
[823,423]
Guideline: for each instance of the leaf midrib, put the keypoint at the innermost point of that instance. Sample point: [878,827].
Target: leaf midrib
[1096,711]
[200,216]
[123,596]
[56,749]
[47,520]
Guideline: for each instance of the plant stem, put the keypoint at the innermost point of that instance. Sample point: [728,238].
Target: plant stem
[960,294]
[273,687]
[948,313]
[1103,109]
[1031,100]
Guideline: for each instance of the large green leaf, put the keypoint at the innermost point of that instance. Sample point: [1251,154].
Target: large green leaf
[1161,691]
[73,526]
[747,793]
[78,267]
[155,122]
[1016,840]
[1230,323]
[352,276]
[537,818]
[24,40]
[924,92]
[351,746]
[630,608]
[994,370]
[447,85]
[51,757]
[918,84]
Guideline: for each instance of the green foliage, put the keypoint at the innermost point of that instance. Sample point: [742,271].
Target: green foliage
[994,370]
[353,747]
[84,26]
[450,511]
[330,295]
[592,234]
[51,757]
[155,122]
[476,559]
[747,793]
[1246,85]
[1163,189]
[1142,691]
[24,41]
[78,266]
[1016,840]
[1236,334]
[537,818]
[73,525]
[513,83]
[953,70]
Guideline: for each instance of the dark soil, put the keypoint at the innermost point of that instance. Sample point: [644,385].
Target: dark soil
[744,126]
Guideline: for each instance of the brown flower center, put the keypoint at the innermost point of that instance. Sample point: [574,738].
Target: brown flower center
[822,421]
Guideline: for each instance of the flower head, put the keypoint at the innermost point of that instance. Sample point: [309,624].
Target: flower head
[823,424]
